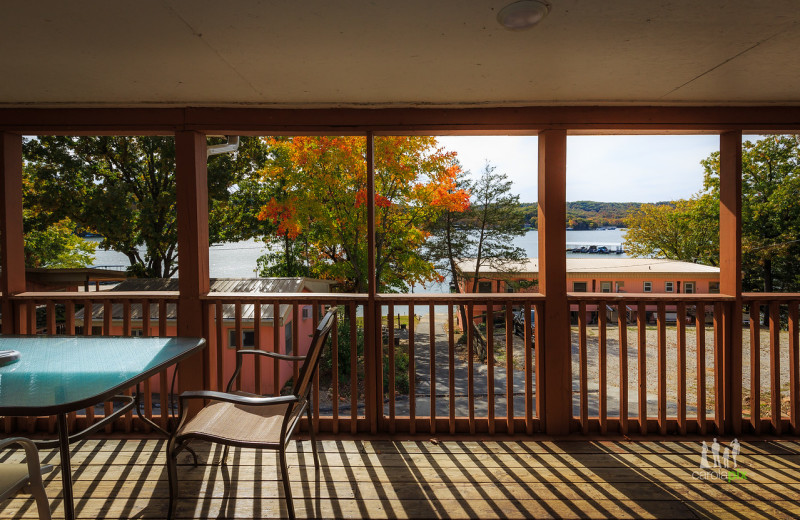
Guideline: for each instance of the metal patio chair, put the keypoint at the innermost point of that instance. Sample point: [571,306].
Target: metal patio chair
[249,420]
[26,476]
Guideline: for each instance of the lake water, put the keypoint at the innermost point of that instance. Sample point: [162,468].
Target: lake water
[238,260]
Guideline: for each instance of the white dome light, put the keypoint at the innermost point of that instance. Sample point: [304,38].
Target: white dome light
[523,14]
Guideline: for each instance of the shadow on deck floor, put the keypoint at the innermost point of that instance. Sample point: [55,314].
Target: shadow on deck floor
[424,479]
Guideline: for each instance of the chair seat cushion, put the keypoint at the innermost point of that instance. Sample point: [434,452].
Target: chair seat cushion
[12,478]
[237,423]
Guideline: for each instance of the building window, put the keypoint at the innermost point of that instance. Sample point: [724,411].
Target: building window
[485,287]
[509,287]
[605,287]
[669,286]
[248,338]
[619,286]
[647,286]
[578,286]
[713,287]
[287,330]
[688,287]
[137,333]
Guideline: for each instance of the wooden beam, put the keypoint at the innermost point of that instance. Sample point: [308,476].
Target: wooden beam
[12,244]
[193,278]
[553,281]
[730,264]
[353,121]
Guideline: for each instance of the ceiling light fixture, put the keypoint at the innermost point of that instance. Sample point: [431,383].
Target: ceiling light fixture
[523,14]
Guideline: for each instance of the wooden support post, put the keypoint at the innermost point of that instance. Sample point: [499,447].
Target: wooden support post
[730,264]
[373,358]
[554,325]
[12,245]
[193,282]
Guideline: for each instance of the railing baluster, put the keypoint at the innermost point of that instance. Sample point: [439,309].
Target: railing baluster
[775,365]
[237,340]
[163,401]
[509,370]
[276,341]
[148,391]
[353,370]
[69,318]
[257,345]
[794,369]
[602,380]
[469,325]
[412,372]
[432,347]
[107,318]
[315,388]
[662,369]
[126,318]
[295,340]
[681,367]
[490,365]
[584,372]
[51,317]
[108,407]
[700,331]
[88,317]
[32,328]
[641,353]
[218,329]
[451,366]
[528,346]
[390,346]
[335,375]
[538,334]
[622,323]
[718,368]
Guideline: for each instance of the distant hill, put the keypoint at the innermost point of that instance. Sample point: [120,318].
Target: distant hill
[586,214]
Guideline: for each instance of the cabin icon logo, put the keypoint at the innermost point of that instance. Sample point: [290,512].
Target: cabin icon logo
[721,463]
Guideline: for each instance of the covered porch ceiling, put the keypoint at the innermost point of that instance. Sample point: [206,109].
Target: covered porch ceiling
[410,54]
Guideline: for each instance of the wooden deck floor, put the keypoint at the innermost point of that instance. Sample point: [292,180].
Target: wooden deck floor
[425,479]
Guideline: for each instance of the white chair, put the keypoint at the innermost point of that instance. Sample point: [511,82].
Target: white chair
[25,476]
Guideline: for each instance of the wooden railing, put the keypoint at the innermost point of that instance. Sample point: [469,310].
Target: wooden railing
[642,363]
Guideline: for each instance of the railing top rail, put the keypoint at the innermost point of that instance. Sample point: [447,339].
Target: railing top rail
[751,296]
[649,297]
[98,295]
[460,297]
[283,297]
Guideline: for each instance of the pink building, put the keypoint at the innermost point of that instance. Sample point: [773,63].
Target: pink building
[292,340]
[597,275]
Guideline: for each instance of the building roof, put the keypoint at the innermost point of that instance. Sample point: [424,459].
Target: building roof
[222,285]
[577,267]
[418,53]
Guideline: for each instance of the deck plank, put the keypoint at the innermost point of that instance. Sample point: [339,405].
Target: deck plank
[125,478]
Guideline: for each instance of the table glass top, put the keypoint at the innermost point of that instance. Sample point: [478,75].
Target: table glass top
[60,370]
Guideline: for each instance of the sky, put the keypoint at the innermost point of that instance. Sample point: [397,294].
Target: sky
[615,168]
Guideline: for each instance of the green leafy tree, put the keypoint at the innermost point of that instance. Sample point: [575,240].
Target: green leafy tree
[320,200]
[682,230]
[495,220]
[770,213]
[689,230]
[124,189]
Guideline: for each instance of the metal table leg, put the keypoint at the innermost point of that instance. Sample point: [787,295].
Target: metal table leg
[66,470]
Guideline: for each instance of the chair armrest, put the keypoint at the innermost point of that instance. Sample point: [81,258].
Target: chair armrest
[236,399]
[284,357]
[31,458]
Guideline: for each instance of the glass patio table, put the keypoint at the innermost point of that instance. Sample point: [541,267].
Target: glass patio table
[56,375]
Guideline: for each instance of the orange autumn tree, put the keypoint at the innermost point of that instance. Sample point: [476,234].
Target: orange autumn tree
[322,201]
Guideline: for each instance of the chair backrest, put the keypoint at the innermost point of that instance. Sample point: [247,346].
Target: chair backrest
[309,368]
